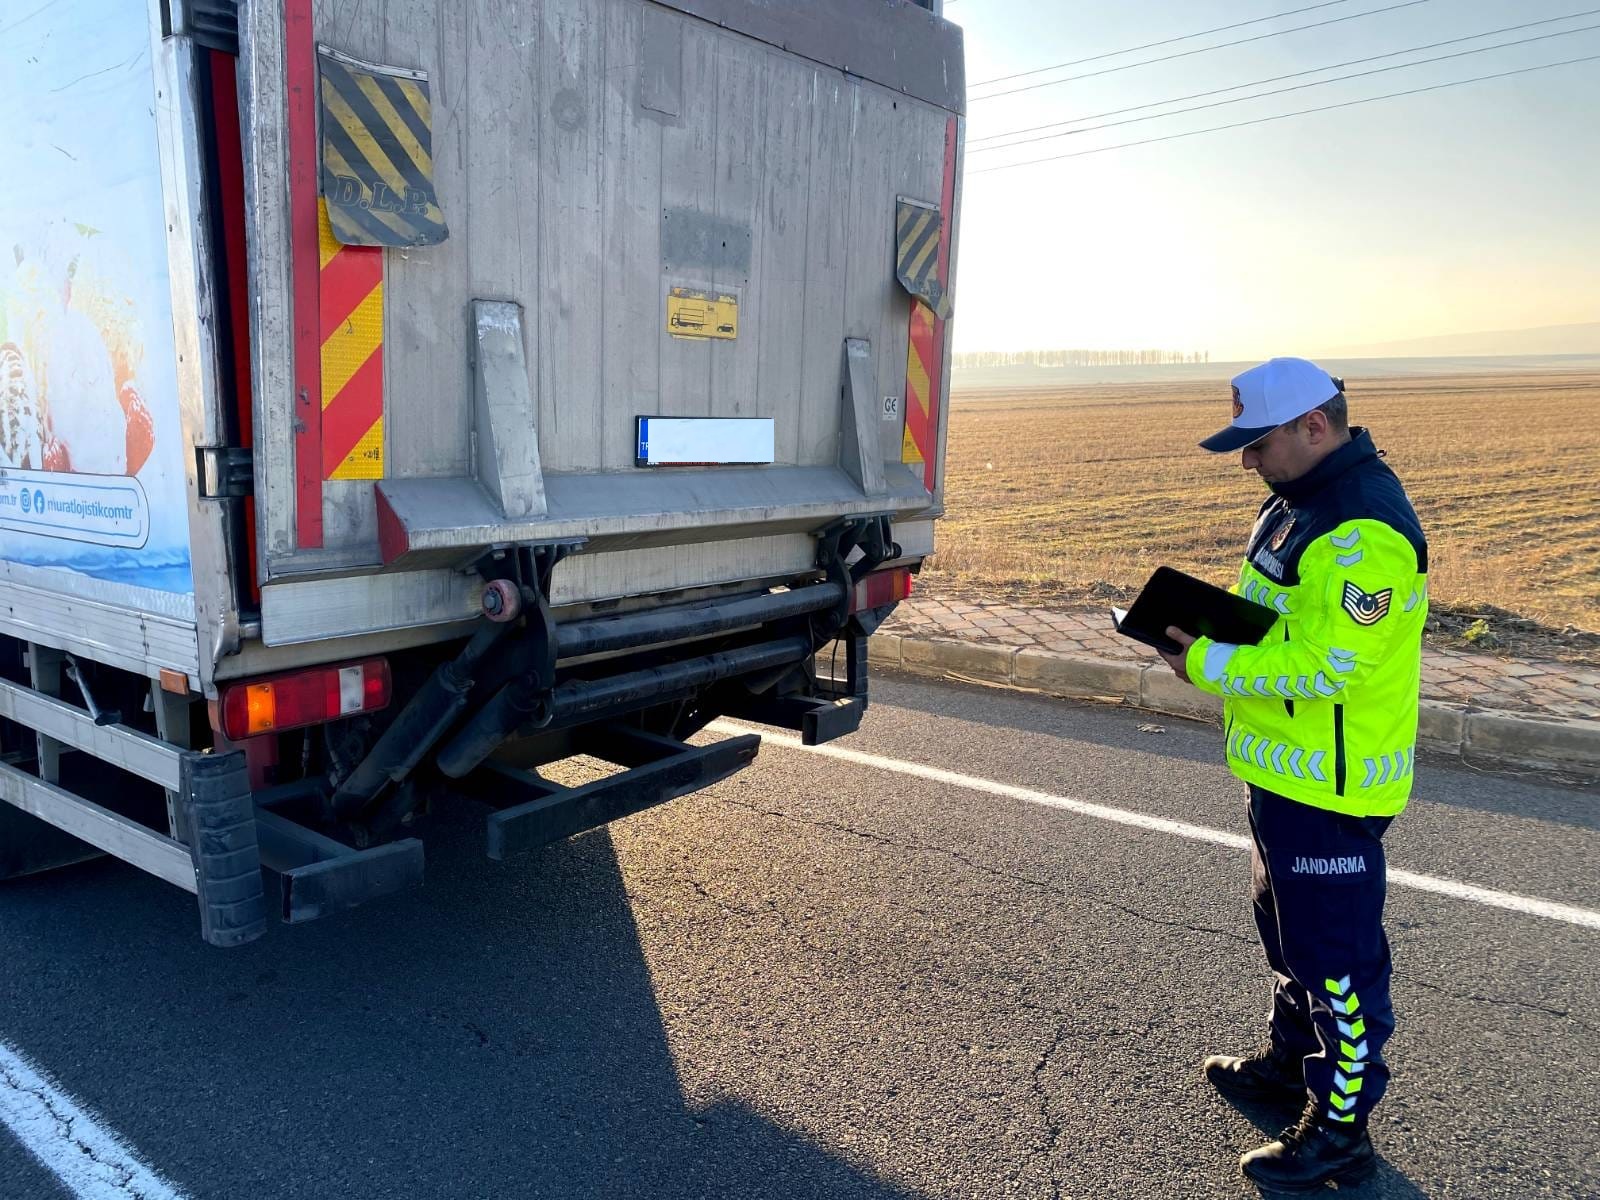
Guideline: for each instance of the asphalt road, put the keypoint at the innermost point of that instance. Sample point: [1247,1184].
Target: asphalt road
[824,979]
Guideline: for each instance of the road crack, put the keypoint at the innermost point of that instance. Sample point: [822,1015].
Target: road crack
[1499,1002]
[121,1175]
[1117,905]
[770,911]
[987,869]
[1046,1102]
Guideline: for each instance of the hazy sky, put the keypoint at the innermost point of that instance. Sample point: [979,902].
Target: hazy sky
[1472,208]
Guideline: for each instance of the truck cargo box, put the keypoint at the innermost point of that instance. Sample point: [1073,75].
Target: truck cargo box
[602,170]
[423,390]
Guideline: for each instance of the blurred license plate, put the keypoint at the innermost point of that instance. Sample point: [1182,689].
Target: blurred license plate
[705,441]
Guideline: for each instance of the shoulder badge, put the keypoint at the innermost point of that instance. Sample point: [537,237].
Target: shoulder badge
[1366,608]
[1282,536]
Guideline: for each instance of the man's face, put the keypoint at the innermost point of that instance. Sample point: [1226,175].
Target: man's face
[1289,451]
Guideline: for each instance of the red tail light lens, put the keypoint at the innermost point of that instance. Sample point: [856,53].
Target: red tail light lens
[880,588]
[304,698]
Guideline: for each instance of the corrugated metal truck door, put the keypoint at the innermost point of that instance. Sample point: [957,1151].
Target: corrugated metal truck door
[531,250]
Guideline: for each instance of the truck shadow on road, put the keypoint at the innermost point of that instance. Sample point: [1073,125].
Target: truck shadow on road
[496,1033]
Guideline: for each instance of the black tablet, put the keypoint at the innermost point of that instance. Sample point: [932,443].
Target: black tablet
[1194,606]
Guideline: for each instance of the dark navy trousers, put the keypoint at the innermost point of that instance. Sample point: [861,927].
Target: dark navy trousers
[1319,882]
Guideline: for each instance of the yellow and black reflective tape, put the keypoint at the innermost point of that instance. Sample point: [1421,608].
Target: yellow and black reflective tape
[917,235]
[377,154]
[919,241]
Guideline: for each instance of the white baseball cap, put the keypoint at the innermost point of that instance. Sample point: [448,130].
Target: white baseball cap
[1273,394]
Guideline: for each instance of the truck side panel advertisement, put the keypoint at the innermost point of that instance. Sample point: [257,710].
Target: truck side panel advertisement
[91,450]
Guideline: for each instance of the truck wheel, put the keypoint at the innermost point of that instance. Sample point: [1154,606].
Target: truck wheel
[28,845]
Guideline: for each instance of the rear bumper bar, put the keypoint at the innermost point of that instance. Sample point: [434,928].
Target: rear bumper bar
[528,678]
[599,635]
[536,812]
[321,876]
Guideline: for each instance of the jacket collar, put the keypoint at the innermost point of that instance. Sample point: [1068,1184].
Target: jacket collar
[1352,454]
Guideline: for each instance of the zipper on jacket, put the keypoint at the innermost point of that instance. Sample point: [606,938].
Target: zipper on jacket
[1338,749]
[1288,705]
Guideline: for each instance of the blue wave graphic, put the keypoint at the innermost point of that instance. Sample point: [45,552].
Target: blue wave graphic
[167,571]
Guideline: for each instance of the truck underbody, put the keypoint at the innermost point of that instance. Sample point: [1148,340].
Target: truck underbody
[328,806]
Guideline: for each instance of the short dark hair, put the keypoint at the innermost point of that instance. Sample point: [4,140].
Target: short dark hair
[1337,410]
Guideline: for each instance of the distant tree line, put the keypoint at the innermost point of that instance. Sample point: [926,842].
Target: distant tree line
[1077,358]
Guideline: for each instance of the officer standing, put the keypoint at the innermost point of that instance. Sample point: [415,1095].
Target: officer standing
[1321,725]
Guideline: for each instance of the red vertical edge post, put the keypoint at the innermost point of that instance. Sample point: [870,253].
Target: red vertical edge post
[230,180]
[947,200]
[301,69]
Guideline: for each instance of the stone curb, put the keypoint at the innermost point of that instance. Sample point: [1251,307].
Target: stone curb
[1490,737]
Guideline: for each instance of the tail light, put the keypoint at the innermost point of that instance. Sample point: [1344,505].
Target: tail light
[881,588]
[304,698]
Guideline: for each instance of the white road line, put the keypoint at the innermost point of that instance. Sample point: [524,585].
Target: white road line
[91,1161]
[1531,905]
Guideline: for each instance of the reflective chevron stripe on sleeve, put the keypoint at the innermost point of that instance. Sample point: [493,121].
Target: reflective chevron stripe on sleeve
[1265,596]
[1302,688]
[1347,542]
[1324,688]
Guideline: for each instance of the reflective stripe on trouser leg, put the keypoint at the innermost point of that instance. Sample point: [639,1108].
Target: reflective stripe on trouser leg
[1349,1076]
[1326,876]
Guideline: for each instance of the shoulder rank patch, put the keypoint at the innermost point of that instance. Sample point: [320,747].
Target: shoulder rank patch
[1366,608]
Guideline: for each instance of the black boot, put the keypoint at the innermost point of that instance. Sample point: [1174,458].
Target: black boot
[1267,1075]
[1312,1153]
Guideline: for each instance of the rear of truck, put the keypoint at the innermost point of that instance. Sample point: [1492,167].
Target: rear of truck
[548,377]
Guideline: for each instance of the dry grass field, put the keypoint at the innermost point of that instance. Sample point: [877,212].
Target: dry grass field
[1077,494]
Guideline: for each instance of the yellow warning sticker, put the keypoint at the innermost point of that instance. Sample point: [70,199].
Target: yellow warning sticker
[692,314]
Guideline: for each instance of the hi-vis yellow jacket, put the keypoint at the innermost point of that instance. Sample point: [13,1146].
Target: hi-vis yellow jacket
[1324,709]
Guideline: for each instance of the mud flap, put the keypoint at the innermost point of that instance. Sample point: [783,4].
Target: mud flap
[217,820]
